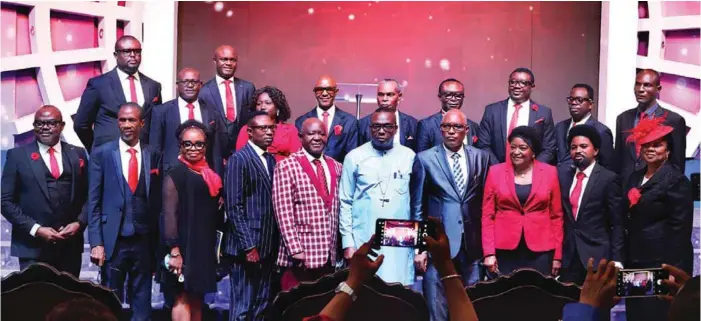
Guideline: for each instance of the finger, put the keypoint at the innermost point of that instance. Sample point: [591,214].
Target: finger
[372,252]
[672,286]
[431,242]
[102,261]
[676,272]
[438,225]
[602,267]
[378,262]
[590,266]
[610,270]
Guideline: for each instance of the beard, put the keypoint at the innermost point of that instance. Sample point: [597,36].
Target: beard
[382,146]
[582,163]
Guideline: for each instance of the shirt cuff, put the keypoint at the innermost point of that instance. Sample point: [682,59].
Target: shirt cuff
[619,265]
[34,229]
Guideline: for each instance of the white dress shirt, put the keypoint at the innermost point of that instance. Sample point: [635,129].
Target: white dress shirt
[327,174]
[463,161]
[260,152]
[582,122]
[222,92]
[44,152]
[522,114]
[124,80]
[397,136]
[587,173]
[185,112]
[320,115]
[126,156]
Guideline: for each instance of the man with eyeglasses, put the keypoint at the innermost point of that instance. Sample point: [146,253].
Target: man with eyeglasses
[389,95]
[581,103]
[124,203]
[447,182]
[230,96]
[451,93]
[375,184]
[500,118]
[44,187]
[95,122]
[188,106]
[342,127]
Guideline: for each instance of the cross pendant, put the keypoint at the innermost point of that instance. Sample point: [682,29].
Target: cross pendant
[384,200]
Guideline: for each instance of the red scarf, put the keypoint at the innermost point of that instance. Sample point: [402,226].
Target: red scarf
[210,177]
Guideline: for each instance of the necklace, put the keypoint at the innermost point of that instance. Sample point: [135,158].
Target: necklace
[383,191]
[522,175]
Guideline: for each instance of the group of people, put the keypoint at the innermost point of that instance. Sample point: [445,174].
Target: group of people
[293,202]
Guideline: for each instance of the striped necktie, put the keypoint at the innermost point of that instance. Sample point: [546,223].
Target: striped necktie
[457,174]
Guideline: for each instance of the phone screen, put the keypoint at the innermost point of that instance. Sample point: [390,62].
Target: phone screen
[400,233]
[641,283]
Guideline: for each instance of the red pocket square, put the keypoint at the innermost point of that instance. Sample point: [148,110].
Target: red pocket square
[81,162]
[540,120]
[155,99]
[154,171]
[211,122]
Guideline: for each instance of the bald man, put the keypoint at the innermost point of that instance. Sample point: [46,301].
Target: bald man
[96,119]
[342,127]
[44,187]
[389,95]
[188,106]
[230,97]
[447,182]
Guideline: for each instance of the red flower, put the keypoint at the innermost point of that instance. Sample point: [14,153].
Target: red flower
[81,162]
[337,130]
[474,139]
[35,156]
[633,196]
[534,107]
[154,171]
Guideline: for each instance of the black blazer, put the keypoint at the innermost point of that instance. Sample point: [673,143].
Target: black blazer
[25,197]
[338,146]
[244,104]
[429,134]
[605,158]
[407,130]
[624,154]
[598,231]
[100,103]
[659,225]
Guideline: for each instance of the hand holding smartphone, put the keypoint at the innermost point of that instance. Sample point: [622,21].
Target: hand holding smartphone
[640,283]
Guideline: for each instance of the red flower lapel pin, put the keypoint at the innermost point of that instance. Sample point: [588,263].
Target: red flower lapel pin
[474,139]
[337,130]
[634,196]
[154,171]
[81,162]
[155,99]
[534,107]
[35,156]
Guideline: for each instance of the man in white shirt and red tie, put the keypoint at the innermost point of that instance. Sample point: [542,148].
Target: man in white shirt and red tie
[231,97]
[95,122]
[188,106]
[591,202]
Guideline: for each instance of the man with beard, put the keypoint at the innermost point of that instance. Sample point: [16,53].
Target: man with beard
[95,122]
[44,187]
[231,97]
[451,93]
[124,206]
[188,106]
[388,96]
[305,196]
[592,206]
[375,184]
[342,127]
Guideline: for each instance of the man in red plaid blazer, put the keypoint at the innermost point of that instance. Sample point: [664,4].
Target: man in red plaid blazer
[305,198]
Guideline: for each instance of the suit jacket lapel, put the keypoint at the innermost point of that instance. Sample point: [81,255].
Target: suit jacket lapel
[509,180]
[565,191]
[117,161]
[117,89]
[146,168]
[443,161]
[338,119]
[471,165]
[532,115]
[204,109]
[145,88]
[591,183]
[311,173]
[239,95]
[403,127]
[38,167]
[258,164]
[503,123]
[216,97]
[536,181]
[70,154]
[334,178]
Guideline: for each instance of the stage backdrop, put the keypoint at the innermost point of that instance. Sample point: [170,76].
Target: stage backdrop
[289,44]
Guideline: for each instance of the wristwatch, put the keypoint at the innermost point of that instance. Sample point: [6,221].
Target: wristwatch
[345,288]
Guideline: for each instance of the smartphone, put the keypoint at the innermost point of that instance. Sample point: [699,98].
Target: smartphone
[638,283]
[403,233]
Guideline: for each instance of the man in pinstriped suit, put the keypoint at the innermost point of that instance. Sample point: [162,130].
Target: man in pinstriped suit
[252,236]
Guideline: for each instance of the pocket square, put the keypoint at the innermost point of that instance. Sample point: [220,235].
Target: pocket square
[409,138]
[211,122]
[540,120]
[155,99]
[81,162]
[154,171]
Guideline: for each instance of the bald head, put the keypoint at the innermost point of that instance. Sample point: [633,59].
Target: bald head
[325,91]
[455,116]
[49,109]
[189,84]
[48,125]
[313,136]
[226,60]
[454,128]
[325,81]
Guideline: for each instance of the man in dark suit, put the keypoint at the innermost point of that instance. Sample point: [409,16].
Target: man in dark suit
[581,103]
[592,206]
[230,97]
[44,188]
[124,206]
[388,96]
[252,236]
[451,93]
[647,88]
[447,182]
[341,126]
[518,110]
[104,94]
[167,117]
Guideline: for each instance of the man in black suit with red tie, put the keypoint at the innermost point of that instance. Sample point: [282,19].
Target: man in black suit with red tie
[95,122]
[647,88]
[44,188]
[231,97]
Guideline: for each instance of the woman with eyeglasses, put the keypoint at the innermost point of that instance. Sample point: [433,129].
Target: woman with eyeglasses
[189,218]
[286,140]
[522,211]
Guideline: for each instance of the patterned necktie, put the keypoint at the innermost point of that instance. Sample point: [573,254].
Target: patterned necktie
[576,192]
[133,175]
[55,172]
[230,102]
[132,89]
[191,111]
[321,175]
[457,174]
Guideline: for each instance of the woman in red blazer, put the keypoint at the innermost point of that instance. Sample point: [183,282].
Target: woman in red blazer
[286,141]
[522,210]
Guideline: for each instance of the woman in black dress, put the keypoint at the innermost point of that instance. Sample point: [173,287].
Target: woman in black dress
[190,215]
[660,214]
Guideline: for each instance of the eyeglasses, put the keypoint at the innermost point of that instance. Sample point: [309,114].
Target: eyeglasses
[386,127]
[522,83]
[320,90]
[128,52]
[189,82]
[578,100]
[49,123]
[265,128]
[192,145]
[456,127]
[457,96]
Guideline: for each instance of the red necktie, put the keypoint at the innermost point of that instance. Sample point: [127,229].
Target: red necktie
[55,172]
[191,111]
[325,119]
[576,192]
[514,119]
[132,89]
[230,102]
[320,174]
[133,171]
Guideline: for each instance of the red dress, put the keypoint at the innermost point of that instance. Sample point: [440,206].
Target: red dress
[285,142]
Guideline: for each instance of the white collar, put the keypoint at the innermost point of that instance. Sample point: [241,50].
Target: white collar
[526,104]
[331,110]
[587,171]
[123,75]
[44,149]
[258,150]
[450,153]
[310,157]
[124,148]
[182,103]
[583,121]
[220,80]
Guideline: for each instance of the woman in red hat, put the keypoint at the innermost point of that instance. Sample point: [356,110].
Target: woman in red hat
[660,213]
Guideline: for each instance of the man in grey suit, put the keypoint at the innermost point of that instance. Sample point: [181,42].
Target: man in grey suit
[447,182]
